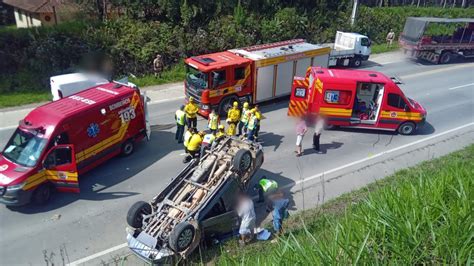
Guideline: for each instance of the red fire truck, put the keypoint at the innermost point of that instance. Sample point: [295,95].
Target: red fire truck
[355,98]
[60,140]
[254,74]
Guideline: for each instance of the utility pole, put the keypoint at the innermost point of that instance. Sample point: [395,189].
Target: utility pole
[354,12]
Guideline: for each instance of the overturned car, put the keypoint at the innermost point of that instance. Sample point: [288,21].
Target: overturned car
[197,206]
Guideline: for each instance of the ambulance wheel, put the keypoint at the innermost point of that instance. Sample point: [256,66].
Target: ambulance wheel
[127,148]
[182,236]
[42,194]
[226,104]
[136,212]
[407,128]
[356,62]
[242,160]
[445,58]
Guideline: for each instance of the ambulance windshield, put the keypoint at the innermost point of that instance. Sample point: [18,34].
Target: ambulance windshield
[24,148]
[196,78]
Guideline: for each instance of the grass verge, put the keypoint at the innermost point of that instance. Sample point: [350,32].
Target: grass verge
[173,74]
[383,48]
[22,98]
[420,215]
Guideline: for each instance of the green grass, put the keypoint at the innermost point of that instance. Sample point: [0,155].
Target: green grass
[174,74]
[22,98]
[383,48]
[421,215]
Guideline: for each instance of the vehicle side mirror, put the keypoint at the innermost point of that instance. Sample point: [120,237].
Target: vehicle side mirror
[370,43]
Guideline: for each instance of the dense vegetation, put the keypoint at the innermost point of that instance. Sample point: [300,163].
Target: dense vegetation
[139,31]
[421,215]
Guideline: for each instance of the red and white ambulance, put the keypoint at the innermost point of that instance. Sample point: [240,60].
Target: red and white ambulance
[355,98]
[58,141]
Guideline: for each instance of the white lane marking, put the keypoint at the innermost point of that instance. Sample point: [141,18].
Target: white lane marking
[438,70]
[96,255]
[462,86]
[380,154]
[83,260]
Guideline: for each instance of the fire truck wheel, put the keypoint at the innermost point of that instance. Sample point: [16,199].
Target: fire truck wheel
[226,104]
[127,148]
[182,236]
[407,128]
[42,194]
[136,212]
[242,160]
[445,58]
[356,62]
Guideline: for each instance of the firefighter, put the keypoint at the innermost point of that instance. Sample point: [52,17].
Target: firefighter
[213,121]
[207,142]
[252,126]
[233,117]
[258,116]
[264,187]
[244,119]
[220,132]
[194,146]
[187,136]
[191,110]
[180,122]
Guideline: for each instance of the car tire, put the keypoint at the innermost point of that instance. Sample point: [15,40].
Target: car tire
[226,104]
[127,148]
[242,160]
[446,58]
[182,236]
[356,62]
[407,128]
[136,212]
[43,194]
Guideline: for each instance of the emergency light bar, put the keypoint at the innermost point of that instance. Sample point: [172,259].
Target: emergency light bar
[397,80]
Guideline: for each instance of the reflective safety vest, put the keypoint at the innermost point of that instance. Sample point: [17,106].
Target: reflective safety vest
[245,115]
[208,138]
[220,134]
[194,143]
[233,115]
[213,121]
[268,184]
[252,122]
[191,110]
[187,137]
[180,117]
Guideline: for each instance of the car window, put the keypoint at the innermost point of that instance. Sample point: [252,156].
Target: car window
[395,100]
[217,209]
[239,73]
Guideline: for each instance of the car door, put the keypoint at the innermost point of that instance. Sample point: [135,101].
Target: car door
[60,168]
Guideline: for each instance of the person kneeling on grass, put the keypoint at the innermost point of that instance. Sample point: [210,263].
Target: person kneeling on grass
[246,213]
[279,204]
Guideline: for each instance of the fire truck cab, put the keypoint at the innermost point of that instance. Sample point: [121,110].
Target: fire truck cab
[253,74]
[355,98]
[57,142]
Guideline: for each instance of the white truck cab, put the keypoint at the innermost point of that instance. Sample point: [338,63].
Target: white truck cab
[68,84]
[349,49]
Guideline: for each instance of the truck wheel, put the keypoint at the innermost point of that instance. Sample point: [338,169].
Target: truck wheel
[42,194]
[226,104]
[136,212]
[182,236]
[356,62]
[407,128]
[445,58]
[127,148]
[242,160]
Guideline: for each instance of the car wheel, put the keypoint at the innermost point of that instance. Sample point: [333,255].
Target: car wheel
[127,148]
[242,160]
[356,62]
[226,104]
[407,128]
[445,58]
[42,194]
[182,236]
[136,212]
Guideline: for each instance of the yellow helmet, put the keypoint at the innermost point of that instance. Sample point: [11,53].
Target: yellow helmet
[246,105]
[221,127]
[201,133]
[191,99]
[236,104]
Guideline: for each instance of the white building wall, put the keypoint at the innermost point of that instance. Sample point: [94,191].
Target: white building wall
[26,19]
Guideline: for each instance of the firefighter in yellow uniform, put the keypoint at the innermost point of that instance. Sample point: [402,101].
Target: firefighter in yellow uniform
[244,119]
[187,136]
[252,125]
[191,109]
[220,132]
[194,145]
[259,117]
[213,121]
[233,117]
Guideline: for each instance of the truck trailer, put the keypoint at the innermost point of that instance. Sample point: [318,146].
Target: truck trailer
[438,40]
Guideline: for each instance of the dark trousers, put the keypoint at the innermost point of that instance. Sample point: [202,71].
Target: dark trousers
[316,141]
[242,128]
[257,129]
[192,122]
[251,134]
[179,133]
[259,189]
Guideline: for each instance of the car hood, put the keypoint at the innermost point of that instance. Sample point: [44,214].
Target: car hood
[11,173]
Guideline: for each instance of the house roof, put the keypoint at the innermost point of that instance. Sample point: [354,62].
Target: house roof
[38,6]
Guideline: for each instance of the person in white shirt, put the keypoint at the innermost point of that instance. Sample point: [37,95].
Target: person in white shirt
[246,213]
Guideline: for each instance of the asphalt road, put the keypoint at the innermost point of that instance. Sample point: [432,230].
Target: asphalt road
[75,226]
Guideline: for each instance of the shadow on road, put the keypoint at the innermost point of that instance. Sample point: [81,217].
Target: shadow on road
[426,129]
[269,139]
[113,172]
[324,147]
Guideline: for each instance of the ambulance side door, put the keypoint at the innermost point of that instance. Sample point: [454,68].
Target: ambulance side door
[298,99]
[61,169]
